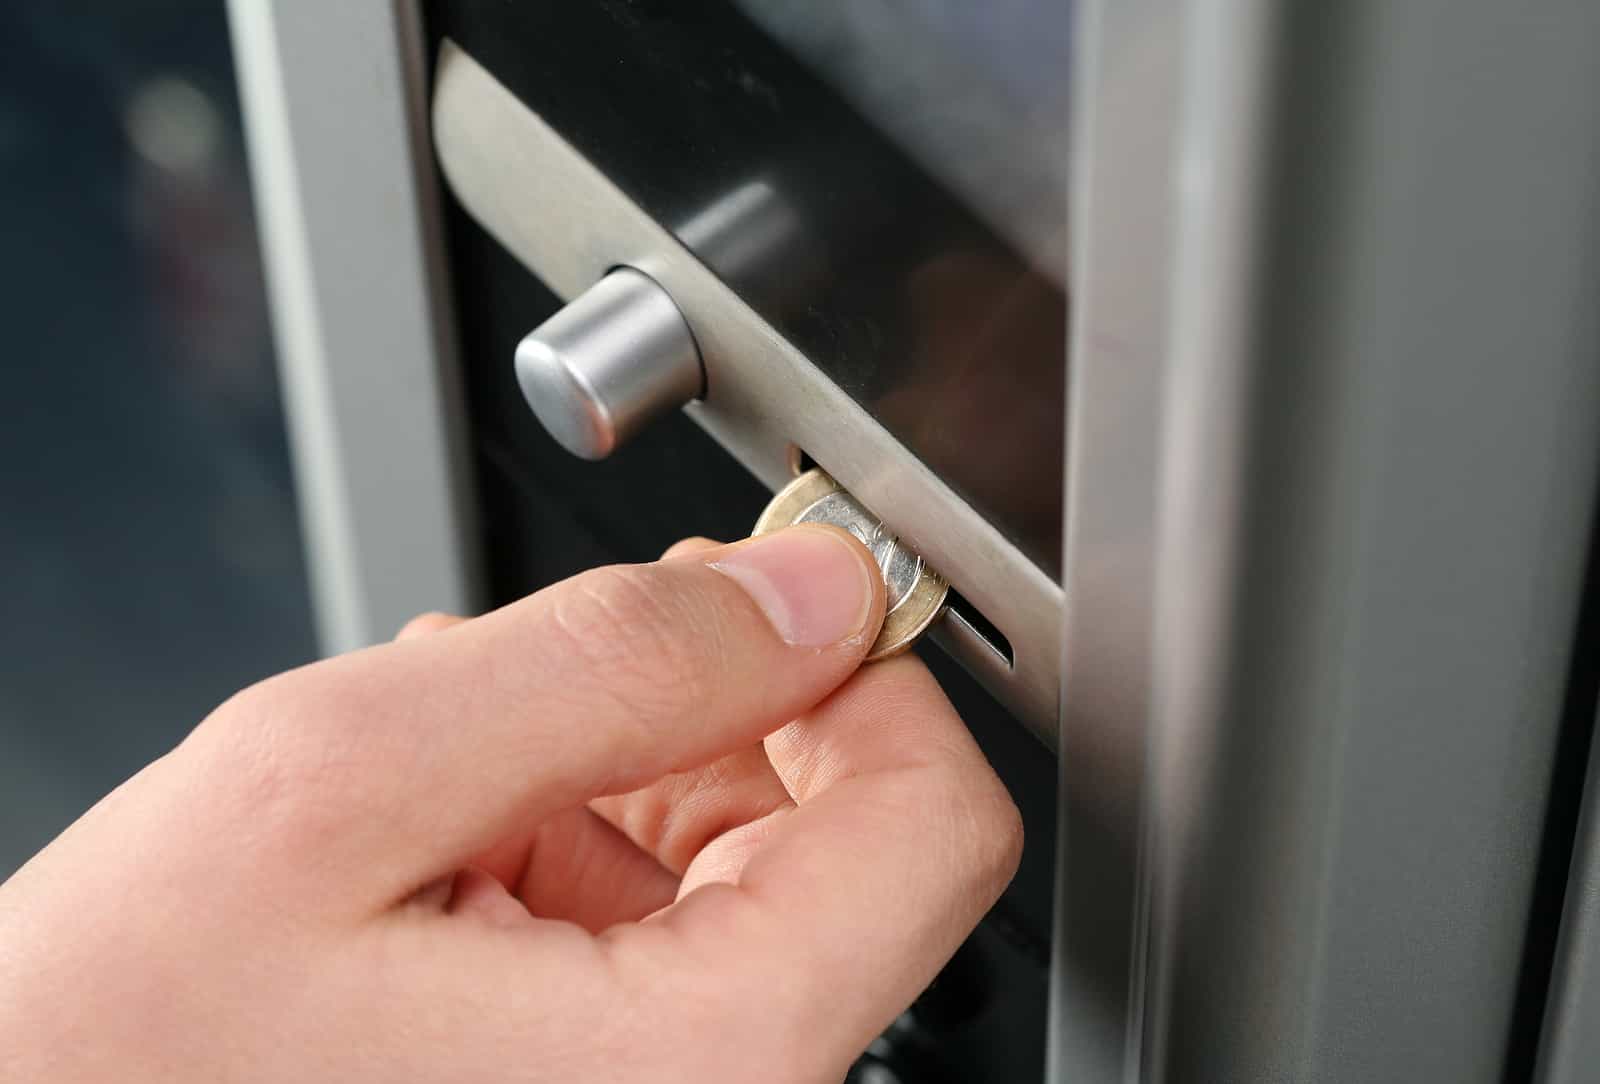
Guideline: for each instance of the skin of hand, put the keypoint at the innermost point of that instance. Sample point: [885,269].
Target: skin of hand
[649,823]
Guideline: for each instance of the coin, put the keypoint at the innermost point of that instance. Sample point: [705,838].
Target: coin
[915,593]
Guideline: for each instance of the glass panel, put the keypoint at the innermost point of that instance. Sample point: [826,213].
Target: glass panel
[975,93]
[150,559]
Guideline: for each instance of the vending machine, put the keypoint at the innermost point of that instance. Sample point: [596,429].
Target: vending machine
[1234,363]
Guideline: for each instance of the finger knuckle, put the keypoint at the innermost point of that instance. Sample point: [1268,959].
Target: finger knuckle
[984,829]
[1009,836]
[274,769]
[423,624]
[998,830]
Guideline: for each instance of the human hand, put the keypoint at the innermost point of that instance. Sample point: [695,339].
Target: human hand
[578,838]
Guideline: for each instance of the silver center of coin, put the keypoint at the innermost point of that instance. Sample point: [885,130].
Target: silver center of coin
[901,568]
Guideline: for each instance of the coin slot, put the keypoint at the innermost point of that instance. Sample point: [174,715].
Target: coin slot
[799,461]
[958,609]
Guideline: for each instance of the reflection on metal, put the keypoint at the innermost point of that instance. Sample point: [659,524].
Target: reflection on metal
[756,238]
[976,93]
[569,224]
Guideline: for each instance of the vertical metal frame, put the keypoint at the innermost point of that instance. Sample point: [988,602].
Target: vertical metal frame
[1326,711]
[1126,90]
[334,98]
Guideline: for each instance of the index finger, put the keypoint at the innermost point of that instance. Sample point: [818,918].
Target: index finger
[902,839]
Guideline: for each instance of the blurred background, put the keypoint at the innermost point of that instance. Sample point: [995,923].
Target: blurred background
[150,558]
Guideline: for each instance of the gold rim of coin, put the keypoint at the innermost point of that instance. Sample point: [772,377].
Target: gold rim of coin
[922,604]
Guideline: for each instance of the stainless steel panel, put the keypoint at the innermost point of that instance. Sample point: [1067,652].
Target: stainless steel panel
[569,224]
[1378,448]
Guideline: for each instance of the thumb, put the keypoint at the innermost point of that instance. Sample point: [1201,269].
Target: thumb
[400,762]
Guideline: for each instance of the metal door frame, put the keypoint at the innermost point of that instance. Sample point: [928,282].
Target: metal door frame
[335,105]
[1320,659]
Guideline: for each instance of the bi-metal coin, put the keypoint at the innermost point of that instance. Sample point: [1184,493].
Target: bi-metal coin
[916,593]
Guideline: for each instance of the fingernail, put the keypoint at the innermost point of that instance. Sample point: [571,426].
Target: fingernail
[812,583]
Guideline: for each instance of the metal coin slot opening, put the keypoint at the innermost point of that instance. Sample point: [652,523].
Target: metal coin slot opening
[800,461]
[958,609]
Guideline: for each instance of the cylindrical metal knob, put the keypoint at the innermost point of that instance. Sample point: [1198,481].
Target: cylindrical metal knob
[618,355]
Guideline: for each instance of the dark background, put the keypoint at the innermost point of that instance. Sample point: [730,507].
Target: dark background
[150,559]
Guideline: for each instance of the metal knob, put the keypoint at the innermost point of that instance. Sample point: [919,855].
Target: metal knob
[617,356]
